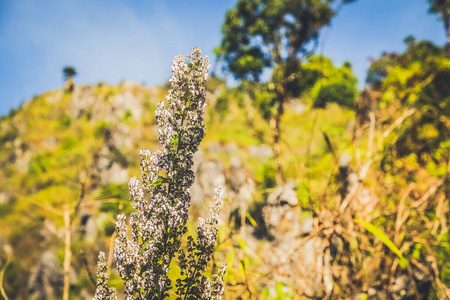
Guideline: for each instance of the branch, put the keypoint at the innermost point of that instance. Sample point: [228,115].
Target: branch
[399,121]
[67,252]
[81,196]
[2,273]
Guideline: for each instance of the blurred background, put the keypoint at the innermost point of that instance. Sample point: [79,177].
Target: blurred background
[328,124]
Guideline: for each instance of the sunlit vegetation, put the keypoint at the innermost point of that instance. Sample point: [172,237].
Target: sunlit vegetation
[370,169]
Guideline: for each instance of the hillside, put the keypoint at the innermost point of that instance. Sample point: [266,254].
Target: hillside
[72,154]
[59,144]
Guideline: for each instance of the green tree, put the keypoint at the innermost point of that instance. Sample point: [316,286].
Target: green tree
[442,9]
[417,81]
[69,72]
[334,84]
[261,35]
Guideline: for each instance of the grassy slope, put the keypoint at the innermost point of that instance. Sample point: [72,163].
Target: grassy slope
[60,148]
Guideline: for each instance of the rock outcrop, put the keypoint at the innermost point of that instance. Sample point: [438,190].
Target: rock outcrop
[300,263]
[46,278]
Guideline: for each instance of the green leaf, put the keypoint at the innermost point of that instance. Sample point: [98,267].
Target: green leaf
[243,245]
[385,240]
[251,220]
[279,289]
[174,140]
[144,246]
[160,181]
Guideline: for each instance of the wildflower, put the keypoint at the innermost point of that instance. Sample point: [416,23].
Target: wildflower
[159,219]
[103,292]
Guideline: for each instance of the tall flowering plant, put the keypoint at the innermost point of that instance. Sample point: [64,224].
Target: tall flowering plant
[162,200]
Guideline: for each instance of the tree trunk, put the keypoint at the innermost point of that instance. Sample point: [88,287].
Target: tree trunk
[275,126]
[447,28]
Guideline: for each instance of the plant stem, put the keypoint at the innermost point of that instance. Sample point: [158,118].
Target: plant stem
[67,252]
[170,184]
[2,273]
[193,277]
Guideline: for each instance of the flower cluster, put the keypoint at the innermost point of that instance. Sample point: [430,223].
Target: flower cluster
[103,292]
[198,255]
[162,200]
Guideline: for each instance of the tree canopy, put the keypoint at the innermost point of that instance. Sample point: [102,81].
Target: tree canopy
[260,34]
[442,9]
[334,84]
[418,80]
[69,72]
[274,36]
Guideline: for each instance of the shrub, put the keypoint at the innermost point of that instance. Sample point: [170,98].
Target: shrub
[339,92]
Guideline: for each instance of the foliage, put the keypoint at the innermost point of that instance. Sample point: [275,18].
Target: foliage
[384,239]
[259,34]
[113,191]
[399,164]
[417,79]
[442,9]
[408,176]
[69,72]
[48,151]
[272,35]
[338,85]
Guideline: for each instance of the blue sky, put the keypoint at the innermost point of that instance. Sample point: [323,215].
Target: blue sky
[115,40]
